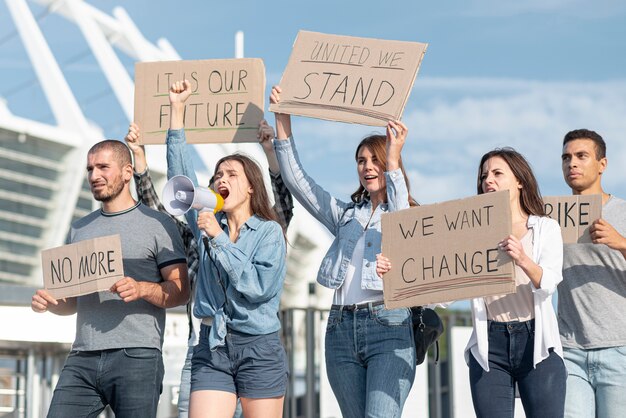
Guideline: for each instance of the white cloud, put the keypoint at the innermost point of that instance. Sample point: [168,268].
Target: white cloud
[452,122]
[532,117]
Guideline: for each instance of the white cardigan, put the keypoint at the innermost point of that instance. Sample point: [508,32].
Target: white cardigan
[548,253]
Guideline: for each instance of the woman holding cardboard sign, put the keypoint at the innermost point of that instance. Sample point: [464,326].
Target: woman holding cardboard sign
[370,353]
[516,338]
[242,270]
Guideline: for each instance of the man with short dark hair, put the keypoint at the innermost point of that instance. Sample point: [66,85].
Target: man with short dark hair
[592,295]
[116,357]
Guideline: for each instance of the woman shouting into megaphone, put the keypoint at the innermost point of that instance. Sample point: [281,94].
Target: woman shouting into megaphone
[241,275]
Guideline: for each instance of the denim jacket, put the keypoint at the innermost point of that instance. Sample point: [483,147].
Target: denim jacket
[251,270]
[346,221]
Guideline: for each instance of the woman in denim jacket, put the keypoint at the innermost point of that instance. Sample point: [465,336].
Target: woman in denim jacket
[240,279]
[516,337]
[370,353]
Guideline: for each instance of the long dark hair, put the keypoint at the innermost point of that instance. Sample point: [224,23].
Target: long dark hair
[530,197]
[259,200]
[377,145]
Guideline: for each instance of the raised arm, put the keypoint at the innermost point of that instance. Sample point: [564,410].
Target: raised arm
[283,120]
[283,200]
[149,197]
[317,201]
[178,158]
[397,189]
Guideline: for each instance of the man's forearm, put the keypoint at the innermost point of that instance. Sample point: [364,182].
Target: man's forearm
[167,294]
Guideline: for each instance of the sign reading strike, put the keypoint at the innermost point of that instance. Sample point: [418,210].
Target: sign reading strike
[226,103]
[575,214]
[448,251]
[349,79]
[83,267]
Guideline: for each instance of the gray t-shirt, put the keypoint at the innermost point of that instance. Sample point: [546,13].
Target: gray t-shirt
[592,295]
[150,241]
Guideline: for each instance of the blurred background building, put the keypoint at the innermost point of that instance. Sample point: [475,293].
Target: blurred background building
[43,189]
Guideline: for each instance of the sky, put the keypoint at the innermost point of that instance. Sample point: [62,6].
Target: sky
[496,73]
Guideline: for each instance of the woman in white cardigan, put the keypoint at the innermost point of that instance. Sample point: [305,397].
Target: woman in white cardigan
[516,338]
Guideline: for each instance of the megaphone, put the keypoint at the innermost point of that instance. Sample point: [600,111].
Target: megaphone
[180,195]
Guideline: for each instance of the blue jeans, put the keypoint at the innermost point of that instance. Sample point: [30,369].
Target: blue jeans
[370,360]
[596,384]
[185,386]
[541,389]
[127,379]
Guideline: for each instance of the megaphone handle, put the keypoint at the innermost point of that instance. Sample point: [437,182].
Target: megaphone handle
[203,233]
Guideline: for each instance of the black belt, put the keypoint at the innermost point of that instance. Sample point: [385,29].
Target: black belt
[357,306]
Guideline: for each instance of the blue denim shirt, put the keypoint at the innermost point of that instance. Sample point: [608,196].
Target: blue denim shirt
[346,221]
[252,269]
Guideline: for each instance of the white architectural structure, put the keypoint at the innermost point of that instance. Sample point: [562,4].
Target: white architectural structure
[43,189]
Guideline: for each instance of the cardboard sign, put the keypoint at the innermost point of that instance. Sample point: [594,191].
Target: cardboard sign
[83,267]
[448,251]
[226,103]
[575,214]
[348,79]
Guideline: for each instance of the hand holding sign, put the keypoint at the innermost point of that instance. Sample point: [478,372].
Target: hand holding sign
[128,289]
[396,136]
[603,232]
[383,265]
[41,300]
[283,120]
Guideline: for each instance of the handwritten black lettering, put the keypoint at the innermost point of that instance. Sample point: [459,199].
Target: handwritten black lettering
[308,86]
[390,94]
[62,271]
[583,213]
[363,93]
[404,276]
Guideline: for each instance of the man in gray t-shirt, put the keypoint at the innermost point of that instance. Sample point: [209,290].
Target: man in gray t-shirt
[592,295]
[116,357]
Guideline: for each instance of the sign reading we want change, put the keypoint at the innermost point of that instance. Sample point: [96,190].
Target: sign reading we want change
[84,267]
[226,102]
[349,79]
[448,251]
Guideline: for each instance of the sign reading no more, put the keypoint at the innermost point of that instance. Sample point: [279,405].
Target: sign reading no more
[84,267]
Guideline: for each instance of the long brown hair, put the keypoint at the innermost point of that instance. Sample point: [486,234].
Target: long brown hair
[530,197]
[259,200]
[377,145]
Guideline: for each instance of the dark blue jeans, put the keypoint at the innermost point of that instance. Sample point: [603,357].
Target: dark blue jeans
[370,360]
[541,389]
[129,380]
